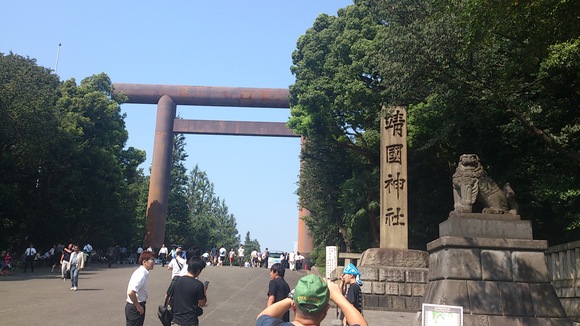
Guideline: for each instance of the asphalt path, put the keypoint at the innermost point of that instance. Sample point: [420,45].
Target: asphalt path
[235,297]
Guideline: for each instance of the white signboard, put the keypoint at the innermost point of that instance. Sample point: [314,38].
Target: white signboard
[331,259]
[439,315]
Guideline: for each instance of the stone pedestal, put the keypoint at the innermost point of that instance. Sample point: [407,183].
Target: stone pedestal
[493,268]
[393,279]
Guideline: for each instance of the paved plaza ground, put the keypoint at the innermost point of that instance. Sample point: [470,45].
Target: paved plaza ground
[235,297]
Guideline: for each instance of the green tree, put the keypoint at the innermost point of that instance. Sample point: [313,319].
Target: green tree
[250,245]
[498,79]
[178,229]
[28,129]
[335,104]
[64,170]
[212,224]
[95,173]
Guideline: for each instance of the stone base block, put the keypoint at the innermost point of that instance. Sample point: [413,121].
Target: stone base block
[496,281]
[487,243]
[394,258]
[482,216]
[486,228]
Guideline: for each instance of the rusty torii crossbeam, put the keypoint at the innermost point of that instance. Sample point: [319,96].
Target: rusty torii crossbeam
[167,97]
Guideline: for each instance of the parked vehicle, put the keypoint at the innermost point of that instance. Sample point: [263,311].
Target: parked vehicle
[274,257]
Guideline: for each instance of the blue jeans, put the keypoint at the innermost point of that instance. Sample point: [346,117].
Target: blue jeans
[74,275]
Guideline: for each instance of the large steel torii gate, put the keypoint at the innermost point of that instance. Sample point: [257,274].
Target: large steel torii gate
[167,97]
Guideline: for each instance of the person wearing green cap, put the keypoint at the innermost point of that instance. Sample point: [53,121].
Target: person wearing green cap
[310,303]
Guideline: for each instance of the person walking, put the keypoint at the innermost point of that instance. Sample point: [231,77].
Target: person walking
[351,284]
[64,260]
[163,255]
[29,254]
[137,290]
[299,261]
[88,250]
[278,289]
[241,256]
[177,264]
[310,303]
[265,256]
[57,255]
[222,256]
[76,263]
[188,295]
[292,261]
[232,256]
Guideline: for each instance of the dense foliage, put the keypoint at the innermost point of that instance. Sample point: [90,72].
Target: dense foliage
[64,172]
[65,175]
[498,79]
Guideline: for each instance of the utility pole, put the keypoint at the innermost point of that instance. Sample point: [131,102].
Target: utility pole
[57,55]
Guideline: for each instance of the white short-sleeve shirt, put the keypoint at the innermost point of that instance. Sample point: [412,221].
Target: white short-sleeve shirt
[138,283]
[175,269]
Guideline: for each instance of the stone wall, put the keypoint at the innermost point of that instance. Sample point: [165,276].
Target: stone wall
[564,266]
[393,288]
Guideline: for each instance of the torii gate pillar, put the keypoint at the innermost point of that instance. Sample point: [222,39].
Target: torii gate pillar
[160,172]
[167,97]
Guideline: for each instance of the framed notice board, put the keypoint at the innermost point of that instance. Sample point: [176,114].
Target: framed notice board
[438,315]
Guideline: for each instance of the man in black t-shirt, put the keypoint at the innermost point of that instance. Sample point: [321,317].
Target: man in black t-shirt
[189,294]
[278,289]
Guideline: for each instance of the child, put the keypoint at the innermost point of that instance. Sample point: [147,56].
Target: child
[351,288]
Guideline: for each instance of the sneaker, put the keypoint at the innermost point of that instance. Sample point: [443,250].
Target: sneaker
[72,289]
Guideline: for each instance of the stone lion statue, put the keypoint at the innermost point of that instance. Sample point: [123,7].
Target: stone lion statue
[471,184]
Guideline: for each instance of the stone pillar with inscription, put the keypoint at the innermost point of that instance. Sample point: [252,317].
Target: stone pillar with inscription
[394,276]
[393,224]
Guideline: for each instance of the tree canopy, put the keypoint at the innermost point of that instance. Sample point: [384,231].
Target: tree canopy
[66,175]
[498,79]
[65,172]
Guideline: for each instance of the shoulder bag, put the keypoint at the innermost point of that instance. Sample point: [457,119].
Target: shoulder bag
[164,311]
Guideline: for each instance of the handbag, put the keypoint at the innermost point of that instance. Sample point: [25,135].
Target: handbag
[165,314]
[164,311]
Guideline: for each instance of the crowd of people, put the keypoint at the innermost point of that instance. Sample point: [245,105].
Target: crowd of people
[187,295]
[221,256]
[293,261]
[68,259]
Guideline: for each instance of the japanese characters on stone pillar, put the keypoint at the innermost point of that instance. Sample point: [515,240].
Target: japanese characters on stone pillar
[394,226]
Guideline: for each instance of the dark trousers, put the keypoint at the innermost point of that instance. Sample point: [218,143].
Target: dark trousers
[132,316]
[29,261]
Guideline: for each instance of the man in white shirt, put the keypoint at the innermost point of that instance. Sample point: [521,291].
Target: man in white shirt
[177,265]
[30,252]
[292,261]
[163,255]
[137,290]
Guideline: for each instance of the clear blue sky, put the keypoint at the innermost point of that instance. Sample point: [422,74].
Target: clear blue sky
[202,43]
